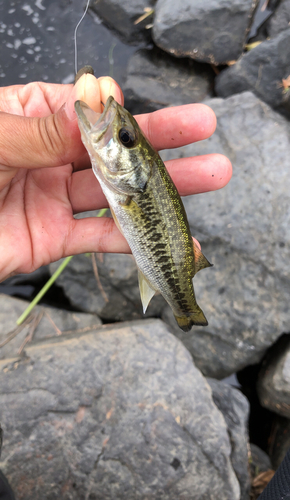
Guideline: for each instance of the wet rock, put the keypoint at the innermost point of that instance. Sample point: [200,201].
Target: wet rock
[37,43]
[280,20]
[260,461]
[211,31]
[114,295]
[52,322]
[235,409]
[262,71]
[120,412]
[156,80]
[121,17]
[274,379]
[244,232]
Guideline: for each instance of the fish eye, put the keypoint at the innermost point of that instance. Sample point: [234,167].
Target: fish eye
[127,137]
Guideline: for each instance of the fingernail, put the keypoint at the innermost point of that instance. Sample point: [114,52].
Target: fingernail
[70,111]
[69,106]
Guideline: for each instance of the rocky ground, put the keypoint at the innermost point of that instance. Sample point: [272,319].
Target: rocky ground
[98,402]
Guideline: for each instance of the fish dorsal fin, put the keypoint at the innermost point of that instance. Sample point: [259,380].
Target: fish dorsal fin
[146,290]
[200,260]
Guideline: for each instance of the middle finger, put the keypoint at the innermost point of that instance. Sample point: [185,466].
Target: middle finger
[190,175]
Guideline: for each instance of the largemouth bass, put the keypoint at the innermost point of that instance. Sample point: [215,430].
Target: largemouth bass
[146,207]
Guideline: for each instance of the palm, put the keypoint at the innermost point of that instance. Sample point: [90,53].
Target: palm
[42,214]
[37,204]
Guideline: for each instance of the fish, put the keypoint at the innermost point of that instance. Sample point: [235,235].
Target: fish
[146,207]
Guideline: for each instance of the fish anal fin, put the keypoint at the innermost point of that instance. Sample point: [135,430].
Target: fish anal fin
[186,321]
[146,290]
[200,260]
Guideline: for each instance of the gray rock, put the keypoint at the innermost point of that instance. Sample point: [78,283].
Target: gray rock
[156,80]
[121,16]
[211,31]
[235,409]
[280,20]
[116,297]
[273,385]
[244,230]
[280,440]
[37,43]
[259,461]
[37,276]
[52,323]
[261,70]
[259,22]
[120,412]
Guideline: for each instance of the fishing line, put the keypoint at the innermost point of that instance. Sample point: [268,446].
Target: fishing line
[75,36]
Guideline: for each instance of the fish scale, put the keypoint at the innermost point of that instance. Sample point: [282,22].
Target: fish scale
[146,207]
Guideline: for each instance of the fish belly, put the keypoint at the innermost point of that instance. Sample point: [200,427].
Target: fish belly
[158,235]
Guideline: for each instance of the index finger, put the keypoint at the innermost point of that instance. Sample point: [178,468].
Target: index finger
[174,127]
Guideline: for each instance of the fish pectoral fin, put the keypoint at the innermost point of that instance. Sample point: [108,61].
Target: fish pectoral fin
[200,260]
[146,290]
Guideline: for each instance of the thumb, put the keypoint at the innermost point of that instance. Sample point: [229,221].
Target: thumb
[49,141]
[54,140]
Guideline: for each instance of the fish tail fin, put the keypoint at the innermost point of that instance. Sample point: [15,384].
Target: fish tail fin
[186,321]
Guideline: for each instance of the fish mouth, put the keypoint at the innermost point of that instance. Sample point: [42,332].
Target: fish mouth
[94,123]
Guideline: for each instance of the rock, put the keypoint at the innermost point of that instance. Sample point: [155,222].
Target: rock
[36,277]
[211,31]
[259,21]
[120,412]
[279,440]
[115,297]
[262,71]
[273,385]
[280,20]
[260,461]
[26,286]
[156,80]
[37,43]
[235,409]
[244,230]
[52,323]
[121,17]
[5,489]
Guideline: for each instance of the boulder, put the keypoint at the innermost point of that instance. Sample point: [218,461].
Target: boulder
[273,385]
[49,322]
[121,17]
[244,230]
[114,295]
[259,461]
[279,440]
[120,412]
[156,80]
[235,409]
[259,22]
[211,31]
[280,20]
[262,70]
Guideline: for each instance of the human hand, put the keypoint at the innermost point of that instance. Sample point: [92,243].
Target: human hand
[41,189]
